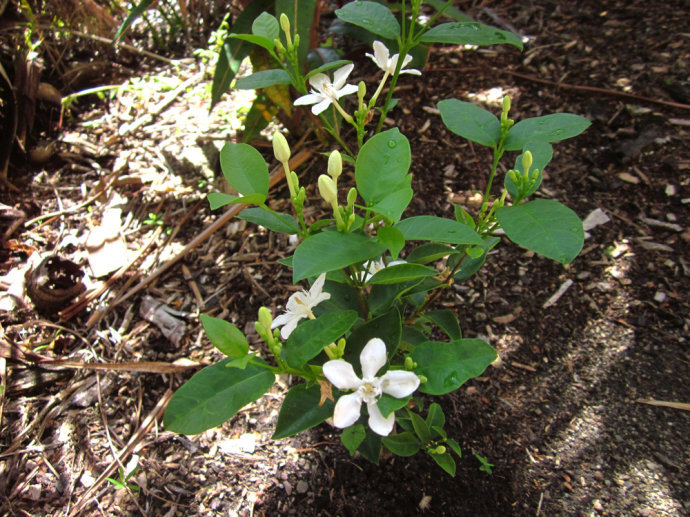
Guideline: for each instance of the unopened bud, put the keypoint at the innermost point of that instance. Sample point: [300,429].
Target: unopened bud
[297,40]
[281,149]
[409,363]
[295,179]
[351,198]
[526,161]
[279,47]
[534,175]
[441,449]
[514,177]
[328,190]
[335,165]
[422,379]
[285,23]
[506,104]
[301,196]
[361,91]
[265,318]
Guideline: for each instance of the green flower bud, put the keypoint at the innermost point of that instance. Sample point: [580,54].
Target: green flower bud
[335,165]
[341,346]
[328,190]
[285,23]
[441,449]
[514,177]
[409,363]
[280,49]
[281,149]
[526,161]
[331,351]
[351,198]
[534,175]
[297,40]
[301,196]
[506,104]
[261,331]
[265,318]
[295,179]
[422,379]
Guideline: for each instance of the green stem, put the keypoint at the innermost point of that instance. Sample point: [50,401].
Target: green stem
[498,152]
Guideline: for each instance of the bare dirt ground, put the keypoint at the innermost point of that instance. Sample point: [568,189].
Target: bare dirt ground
[578,416]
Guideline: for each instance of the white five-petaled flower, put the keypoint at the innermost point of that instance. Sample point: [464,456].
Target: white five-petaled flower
[397,383]
[377,265]
[299,306]
[324,92]
[388,64]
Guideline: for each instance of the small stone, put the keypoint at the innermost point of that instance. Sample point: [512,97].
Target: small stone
[628,178]
[287,487]
[670,190]
[597,505]
[33,492]
[660,296]
[302,487]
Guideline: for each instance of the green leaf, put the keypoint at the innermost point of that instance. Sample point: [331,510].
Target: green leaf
[310,336]
[445,461]
[402,444]
[471,265]
[244,168]
[401,273]
[542,152]
[386,327]
[301,411]
[431,228]
[429,252]
[328,66]
[544,226]
[388,404]
[470,121]
[470,33]
[330,250]
[447,321]
[420,427]
[263,79]
[225,336]
[435,416]
[234,51]
[383,296]
[454,446]
[450,11]
[274,221]
[136,11]
[370,448]
[392,239]
[382,166]
[549,128]
[256,40]
[372,16]
[393,205]
[266,25]
[352,437]
[219,199]
[447,366]
[213,395]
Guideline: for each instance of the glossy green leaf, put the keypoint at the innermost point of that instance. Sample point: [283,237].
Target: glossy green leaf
[435,416]
[382,166]
[372,16]
[454,446]
[263,79]
[331,250]
[393,205]
[274,221]
[219,199]
[392,239]
[328,66]
[352,437]
[469,265]
[450,11]
[388,404]
[383,297]
[225,336]
[549,128]
[213,395]
[399,273]
[244,168]
[470,121]
[420,426]
[311,336]
[470,33]
[439,229]
[301,411]
[447,366]
[544,226]
[386,327]
[266,25]
[447,321]
[445,461]
[256,40]
[429,252]
[402,444]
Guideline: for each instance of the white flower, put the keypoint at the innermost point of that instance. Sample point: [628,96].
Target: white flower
[378,265]
[397,383]
[324,92]
[387,64]
[299,306]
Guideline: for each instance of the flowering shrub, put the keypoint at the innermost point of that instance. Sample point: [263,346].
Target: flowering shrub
[366,337]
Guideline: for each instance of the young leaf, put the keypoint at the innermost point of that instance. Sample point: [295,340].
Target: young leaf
[382,166]
[544,226]
[439,229]
[402,444]
[310,336]
[244,168]
[471,265]
[549,128]
[400,273]
[256,40]
[263,79]
[352,437]
[219,199]
[225,336]
[372,16]
[266,25]
[301,411]
[274,221]
[445,461]
[392,239]
[447,366]
[213,395]
[470,33]
[330,250]
[470,121]
[454,446]
[429,252]
[447,321]
[435,416]
[421,428]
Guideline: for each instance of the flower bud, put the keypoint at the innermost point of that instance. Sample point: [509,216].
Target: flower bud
[295,179]
[351,198]
[297,40]
[534,175]
[441,449]
[506,104]
[361,90]
[526,161]
[328,190]
[409,363]
[285,23]
[265,318]
[335,165]
[514,177]
[281,149]
[280,49]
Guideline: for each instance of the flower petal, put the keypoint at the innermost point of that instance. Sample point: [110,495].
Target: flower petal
[289,326]
[341,374]
[310,98]
[317,81]
[399,383]
[348,89]
[321,106]
[340,76]
[347,410]
[378,424]
[373,357]
[381,54]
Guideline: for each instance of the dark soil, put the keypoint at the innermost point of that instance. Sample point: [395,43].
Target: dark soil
[563,416]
